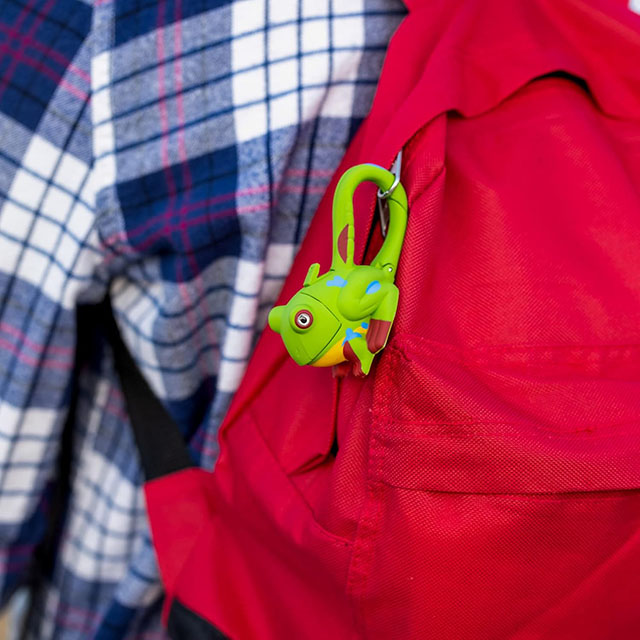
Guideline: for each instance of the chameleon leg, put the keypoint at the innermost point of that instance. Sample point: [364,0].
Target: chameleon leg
[362,294]
[357,352]
[380,323]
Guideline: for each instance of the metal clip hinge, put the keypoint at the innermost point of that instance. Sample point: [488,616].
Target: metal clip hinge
[383,209]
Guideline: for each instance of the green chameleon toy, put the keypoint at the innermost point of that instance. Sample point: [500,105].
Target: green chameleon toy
[346,313]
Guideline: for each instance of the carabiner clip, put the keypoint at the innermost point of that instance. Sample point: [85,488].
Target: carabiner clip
[345,314]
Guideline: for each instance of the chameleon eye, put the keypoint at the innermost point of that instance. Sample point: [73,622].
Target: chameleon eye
[303,319]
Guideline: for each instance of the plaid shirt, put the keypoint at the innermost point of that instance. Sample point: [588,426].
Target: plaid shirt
[174,150]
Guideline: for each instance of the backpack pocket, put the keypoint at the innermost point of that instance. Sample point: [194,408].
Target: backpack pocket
[502,498]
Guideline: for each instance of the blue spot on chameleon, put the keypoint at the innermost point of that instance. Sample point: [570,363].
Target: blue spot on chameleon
[373,287]
[336,281]
[365,325]
[351,334]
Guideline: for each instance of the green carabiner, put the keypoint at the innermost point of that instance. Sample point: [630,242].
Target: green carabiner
[346,314]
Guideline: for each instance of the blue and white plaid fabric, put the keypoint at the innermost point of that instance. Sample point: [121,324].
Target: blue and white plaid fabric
[176,149]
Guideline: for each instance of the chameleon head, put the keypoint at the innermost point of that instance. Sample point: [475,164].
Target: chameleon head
[306,325]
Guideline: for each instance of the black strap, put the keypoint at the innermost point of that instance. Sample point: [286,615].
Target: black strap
[162,451]
[184,624]
[158,437]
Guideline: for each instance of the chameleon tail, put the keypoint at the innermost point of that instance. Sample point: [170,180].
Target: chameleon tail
[343,230]
[389,253]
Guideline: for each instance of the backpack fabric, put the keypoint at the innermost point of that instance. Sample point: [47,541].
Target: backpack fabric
[482,481]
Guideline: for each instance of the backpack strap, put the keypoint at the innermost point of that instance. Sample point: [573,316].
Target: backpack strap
[158,438]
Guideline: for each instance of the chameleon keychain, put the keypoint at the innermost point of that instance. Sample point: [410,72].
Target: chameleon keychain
[346,314]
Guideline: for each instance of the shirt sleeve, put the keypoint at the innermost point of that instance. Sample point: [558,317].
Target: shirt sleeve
[49,251]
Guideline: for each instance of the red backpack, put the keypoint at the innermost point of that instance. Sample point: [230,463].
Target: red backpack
[482,481]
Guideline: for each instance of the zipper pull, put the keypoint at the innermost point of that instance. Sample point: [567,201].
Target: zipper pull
[383,208]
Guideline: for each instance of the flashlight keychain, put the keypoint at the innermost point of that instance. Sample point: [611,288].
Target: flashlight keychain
[346,314]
